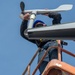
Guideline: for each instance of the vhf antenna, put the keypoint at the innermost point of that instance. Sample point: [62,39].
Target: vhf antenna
[22,6]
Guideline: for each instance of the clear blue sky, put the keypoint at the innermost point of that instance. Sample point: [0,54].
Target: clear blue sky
[16,52]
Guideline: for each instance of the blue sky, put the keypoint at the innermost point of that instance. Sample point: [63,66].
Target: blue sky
[16,52]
